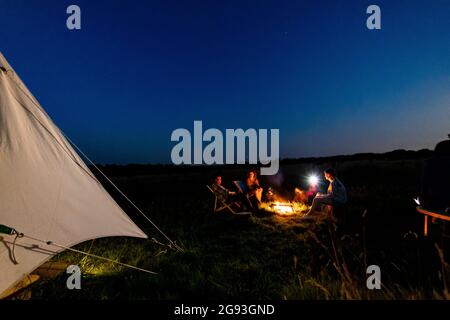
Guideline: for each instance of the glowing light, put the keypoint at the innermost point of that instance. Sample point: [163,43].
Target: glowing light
[283,208]
[417,201]
[313,180]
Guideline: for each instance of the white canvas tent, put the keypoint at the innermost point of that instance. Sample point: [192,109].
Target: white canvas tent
[46,191]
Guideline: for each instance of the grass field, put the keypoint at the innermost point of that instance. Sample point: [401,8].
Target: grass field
[265,256]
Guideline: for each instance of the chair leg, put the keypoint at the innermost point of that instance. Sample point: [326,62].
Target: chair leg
[425,225]
[229,208]
[226,206]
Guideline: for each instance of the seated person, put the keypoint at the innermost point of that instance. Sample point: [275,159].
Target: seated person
[221,192]
[336,193]
[253,187]
[227,195]
[270,195]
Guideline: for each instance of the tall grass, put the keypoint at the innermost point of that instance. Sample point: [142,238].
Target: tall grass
[267,256]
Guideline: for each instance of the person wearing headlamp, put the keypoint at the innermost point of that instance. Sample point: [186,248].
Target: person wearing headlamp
[336,193]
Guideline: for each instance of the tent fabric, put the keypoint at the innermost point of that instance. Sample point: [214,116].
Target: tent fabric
[46,190]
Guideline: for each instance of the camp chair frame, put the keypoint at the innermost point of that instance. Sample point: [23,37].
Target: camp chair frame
[429,213]
[242,188]
[220,205]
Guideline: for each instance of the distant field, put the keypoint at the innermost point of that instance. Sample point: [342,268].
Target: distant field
[265,256]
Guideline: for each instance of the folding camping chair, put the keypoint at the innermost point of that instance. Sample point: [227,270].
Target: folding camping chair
[433,214]
[219,204]
[223,205]
[242,188]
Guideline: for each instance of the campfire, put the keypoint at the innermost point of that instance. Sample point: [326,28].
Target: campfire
[278,205]
[284,208]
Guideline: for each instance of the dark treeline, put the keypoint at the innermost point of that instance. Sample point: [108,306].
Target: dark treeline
[147,169]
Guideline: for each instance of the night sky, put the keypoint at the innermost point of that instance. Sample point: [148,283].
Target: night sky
[138,69]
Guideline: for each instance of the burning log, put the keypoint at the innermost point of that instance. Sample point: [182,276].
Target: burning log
[283,208]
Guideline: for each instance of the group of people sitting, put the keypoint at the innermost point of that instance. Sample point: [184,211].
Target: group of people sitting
[250,195]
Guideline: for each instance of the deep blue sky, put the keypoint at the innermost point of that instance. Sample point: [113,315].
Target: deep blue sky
[140,69]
